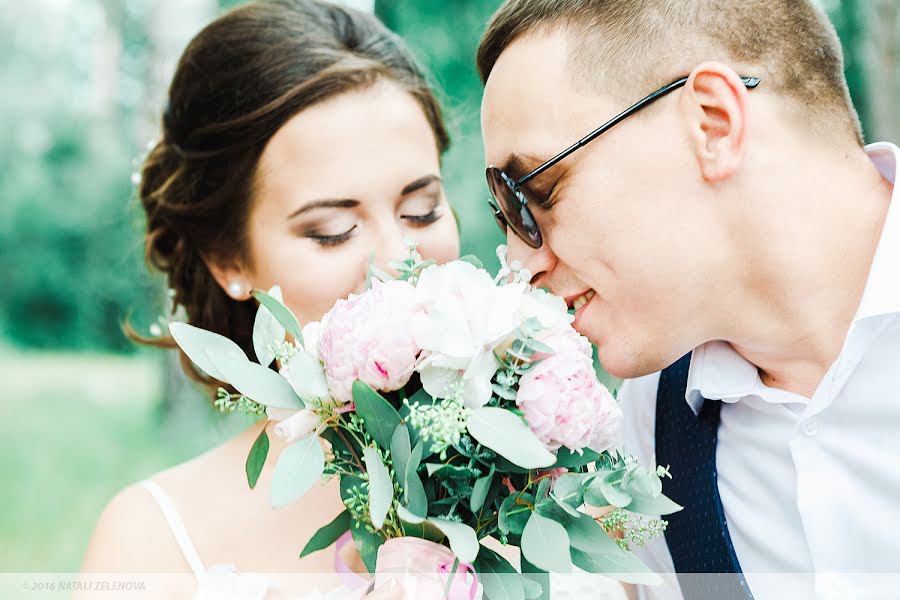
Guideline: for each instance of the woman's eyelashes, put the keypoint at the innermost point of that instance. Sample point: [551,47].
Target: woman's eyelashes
[421,220]
[328,241]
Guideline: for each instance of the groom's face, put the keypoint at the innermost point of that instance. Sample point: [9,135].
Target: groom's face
[615,216]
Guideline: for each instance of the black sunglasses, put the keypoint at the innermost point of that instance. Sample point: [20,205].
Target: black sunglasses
[510,205]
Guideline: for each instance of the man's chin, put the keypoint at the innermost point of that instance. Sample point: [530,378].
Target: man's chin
[619,361]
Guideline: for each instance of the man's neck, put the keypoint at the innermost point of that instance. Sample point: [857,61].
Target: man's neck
[807,265]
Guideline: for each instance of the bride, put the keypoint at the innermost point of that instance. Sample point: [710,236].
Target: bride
[299,137]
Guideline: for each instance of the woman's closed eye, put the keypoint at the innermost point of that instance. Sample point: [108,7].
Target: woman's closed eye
[330,240]
[426,219]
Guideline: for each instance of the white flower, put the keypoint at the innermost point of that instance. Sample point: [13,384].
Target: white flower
[297,426]
[463,317]
[551,311]
[306,375]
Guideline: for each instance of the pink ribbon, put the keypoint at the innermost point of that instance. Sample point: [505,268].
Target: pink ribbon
[444,569]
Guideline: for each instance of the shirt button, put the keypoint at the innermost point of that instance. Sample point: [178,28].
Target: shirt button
[811,428]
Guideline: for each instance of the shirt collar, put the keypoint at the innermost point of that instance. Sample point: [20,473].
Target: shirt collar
[718,372]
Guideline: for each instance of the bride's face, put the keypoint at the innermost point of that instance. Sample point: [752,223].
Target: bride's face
[346,179]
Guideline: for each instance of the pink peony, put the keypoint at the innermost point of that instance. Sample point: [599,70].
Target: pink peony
[563,401]
[369,337]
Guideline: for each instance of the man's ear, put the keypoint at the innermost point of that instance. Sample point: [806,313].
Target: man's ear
[714,104]
[231,277]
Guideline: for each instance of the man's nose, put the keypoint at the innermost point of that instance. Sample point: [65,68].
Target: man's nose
[538,261]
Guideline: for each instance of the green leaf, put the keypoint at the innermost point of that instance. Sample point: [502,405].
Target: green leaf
[258,383]
[203,346]
[480,490]
[462,538]
[299,466]
[473,260]
[266,330]
[602,492]
[400,449]
[381,488]
[512,517]
[416,498]
[644,484]
[536,581]
[328,534]
[661,505]
[407,516]
[623,566]
[222,359]
[257,458]
[586,535]
[442,470]
[545,544]
[380,417]
[569,488]
[367,544]
[570,460]
[282,314]
[500,579]
[509,436]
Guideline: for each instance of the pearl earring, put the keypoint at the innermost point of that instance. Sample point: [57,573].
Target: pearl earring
[235,290]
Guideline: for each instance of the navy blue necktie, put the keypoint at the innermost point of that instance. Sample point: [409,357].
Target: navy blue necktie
[697,536]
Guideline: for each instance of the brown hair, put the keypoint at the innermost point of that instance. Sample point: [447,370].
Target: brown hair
[239,80]
[635,46]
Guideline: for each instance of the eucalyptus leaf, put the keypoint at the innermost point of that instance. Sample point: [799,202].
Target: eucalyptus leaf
[203,346]
[500,579]
[367,544]
[568,459]
[257,458]
[257,382]
[473,260]
[328,534]
[661,505]
[508,435]
[381,489]
[462,538]
[535,580]
[480,491]
[400,449]
[512,517]
[299,466]
[408,516]
[586,535]
[569,488]
[545,544]
[282,314]
[416,499]
[266,331]
[624,566]
[381,419]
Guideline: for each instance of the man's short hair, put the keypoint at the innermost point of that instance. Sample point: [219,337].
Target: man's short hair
[627,48]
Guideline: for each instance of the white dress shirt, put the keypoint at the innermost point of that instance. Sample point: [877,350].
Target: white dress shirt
[810,486]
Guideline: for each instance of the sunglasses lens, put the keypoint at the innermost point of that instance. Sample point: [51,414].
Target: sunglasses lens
[512,205]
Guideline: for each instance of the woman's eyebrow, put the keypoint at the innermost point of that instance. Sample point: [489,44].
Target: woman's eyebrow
[325,203]
[418,184]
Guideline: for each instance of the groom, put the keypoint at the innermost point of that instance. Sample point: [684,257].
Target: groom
[728,229]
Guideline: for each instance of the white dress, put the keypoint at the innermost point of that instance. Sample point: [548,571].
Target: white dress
[224,582]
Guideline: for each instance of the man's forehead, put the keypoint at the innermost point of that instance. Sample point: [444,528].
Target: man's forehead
[531,105]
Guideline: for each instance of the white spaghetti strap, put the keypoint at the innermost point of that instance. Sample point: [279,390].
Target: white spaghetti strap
[176,525]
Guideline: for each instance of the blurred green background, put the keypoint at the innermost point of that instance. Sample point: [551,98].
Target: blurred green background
[84,412]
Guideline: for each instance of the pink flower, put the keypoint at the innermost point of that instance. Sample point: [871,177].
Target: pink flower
[563,401]
[369,337]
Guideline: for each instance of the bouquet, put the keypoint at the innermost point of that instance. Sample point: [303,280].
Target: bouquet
[453,406]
